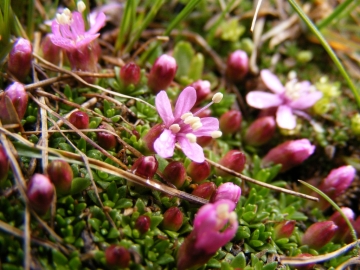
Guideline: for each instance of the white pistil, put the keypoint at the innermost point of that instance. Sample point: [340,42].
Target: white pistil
[217,97]
[191,137]
[216,134]
[175,128]
[186,115]
[81,6]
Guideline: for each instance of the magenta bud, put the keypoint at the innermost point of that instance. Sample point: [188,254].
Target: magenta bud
[237,66]
[40,192]
[205,190]
[130,74]
[338,181]
[145,166]
[61,175]
[4,164]
[202,90]
[204,140]
[289,154]
[260,131]
[199,171]
[162,73]
[234,160]
[343,230]
[175,173]
[319,234]
[117,256]
[15,93]
[142,224]
[151,136]
[79,119]
[227,191]
[85,58]
[19,63]
[173,219]
[284,229]
[305,266]
[51,52]
[230,122]
[105,139]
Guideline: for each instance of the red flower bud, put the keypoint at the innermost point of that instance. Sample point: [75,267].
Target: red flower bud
[199,171]
[230,122]
[117,256]
[344,230]
[205,190]
[175,173]
[260,131]
[202,90]
[142,224]
[152,135]
[4,164]
[237,66]
[204,140]
[51,52]
[79,119]
[173,219]
[130,74]
[40,192]
[234,160]
[145,166]
[105,139]
[319,234]
[61,175]
[284,229]
[19,63]
[227,191]
[16,93]
[162,73]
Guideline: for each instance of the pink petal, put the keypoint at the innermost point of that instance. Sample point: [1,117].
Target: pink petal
[185,102]
[164,145]
[191,150]
[77,25]
[62,42]
[210,124]
[66,32]
[306,101]
[86,40]
[272,81]
[285,118]
[99,23]
[163,106]
[55,28]
[263,100]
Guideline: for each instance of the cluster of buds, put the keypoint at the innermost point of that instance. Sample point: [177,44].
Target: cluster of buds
[40,193]
[237,66]
[234,160]
[19,62]
[117,256]
[162,73]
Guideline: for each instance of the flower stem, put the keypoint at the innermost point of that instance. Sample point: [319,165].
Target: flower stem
[327,48]
[338,10]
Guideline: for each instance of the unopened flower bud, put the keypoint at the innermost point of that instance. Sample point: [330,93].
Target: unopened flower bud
[151,136]
[40,192]
[343,231]
[173,219]
[79,119]
[4,164]
[227,191]
[51,52]
[234,160]
[204,140]
[145,166]
[117,256]
[61,175]
[319,234]
[142,224]
[237,65]
[130,74]
[162,73]
[202,90]
[175,173]
[205,190]
[289,154]
[230,122]
[199,171]
[15,93]
[284,229]
[260,131]
[19,63]
[105,139]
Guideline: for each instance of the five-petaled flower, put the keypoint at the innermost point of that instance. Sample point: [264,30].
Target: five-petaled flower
[184,127]
[290,100]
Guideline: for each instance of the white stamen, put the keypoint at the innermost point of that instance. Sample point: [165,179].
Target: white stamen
[175,128]
[81,6]
[192,120]
[216,134]
[67,12]
[191,137]
[222,211]
[292,75]
[217,97]
[186,115]
[196,126]
[232,217]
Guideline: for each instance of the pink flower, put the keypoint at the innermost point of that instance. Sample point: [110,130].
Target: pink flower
[182,126]
[290,100]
